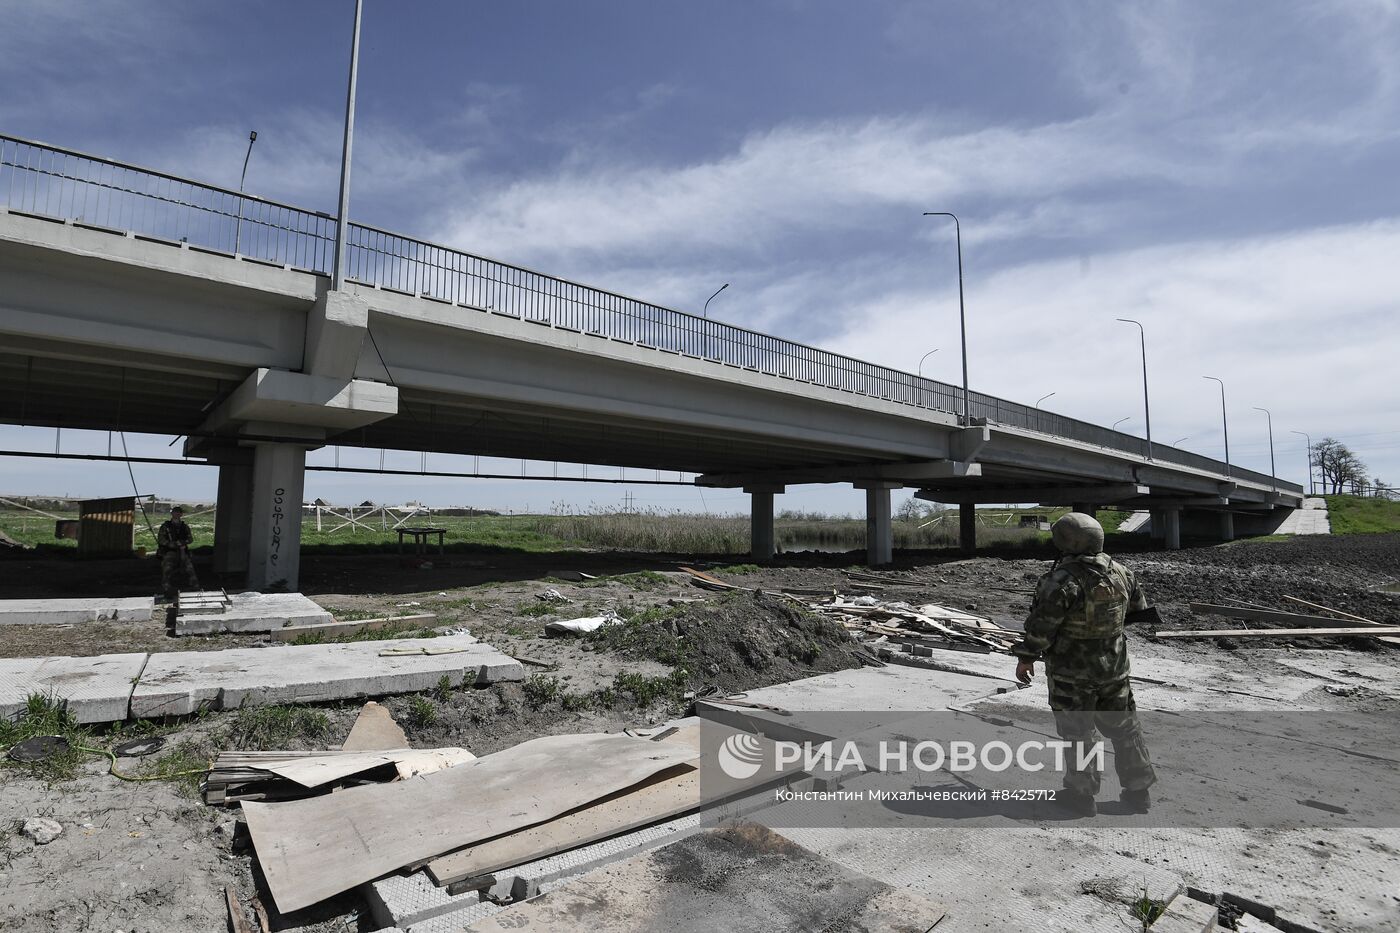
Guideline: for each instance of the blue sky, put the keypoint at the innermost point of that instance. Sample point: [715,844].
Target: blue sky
[1222,171]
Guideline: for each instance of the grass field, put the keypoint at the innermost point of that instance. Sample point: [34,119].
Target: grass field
[1356,515]
[635,531]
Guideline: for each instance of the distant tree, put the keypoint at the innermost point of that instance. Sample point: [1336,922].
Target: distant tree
[1338,465]
[915,510]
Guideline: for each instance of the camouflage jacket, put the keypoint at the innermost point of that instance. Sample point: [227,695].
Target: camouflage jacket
[1076,620]
[171,536]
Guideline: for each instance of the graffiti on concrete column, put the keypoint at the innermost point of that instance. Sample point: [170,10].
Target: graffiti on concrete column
[279,495]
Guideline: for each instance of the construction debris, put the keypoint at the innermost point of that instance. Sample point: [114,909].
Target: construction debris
[312,849]
[278,775]
[901,623]
[338,629]
[580,626]
[375,730]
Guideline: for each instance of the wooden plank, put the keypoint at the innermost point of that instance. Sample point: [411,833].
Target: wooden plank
[237,920]
[312,849]
[374,730]
[1282,632]
[1269,615]
[663,796]
[292,632]
[1335,612]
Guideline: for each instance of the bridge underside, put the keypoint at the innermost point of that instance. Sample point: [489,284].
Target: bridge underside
[256,364]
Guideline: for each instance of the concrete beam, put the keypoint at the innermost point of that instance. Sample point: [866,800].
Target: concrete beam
[335,333]
[761,539]
[967,527]
[97,689]
[280,397]
[1179,502]
[1045,495]
[968,442]
[879,527]
[900,474]
[274,548]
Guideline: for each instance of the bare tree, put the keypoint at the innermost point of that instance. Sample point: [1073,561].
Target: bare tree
[1338,465]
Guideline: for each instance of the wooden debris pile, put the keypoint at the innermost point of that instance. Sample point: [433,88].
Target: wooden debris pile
[1281,624]
[908,626]
[280,775]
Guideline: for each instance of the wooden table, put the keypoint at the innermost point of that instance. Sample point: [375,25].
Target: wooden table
[420,539]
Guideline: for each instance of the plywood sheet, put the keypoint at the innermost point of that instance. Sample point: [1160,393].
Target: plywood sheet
[312,849]
[374,730]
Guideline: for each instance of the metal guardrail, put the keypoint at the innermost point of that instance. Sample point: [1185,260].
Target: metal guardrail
[47,180]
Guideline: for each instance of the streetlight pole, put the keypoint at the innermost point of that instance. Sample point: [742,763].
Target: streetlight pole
[962,308]
[238,230]
[1042,398]
[1180,439]
[1146,404]
[1118,422]
[1224,421]
[1273,471]
[705,314]
[924,357]
[1311,489]
[342,221]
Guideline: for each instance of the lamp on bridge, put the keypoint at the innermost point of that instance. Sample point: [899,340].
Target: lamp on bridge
[1042,398]
[920,370]
[1224,421]
[1273,472]
[238,230]
[1118,422]
[962,310]
[705,313]
[1308,438]
[1146,405]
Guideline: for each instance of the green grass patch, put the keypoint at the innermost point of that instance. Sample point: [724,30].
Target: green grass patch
[422,712]
[374,634]
[1361,515]
[276,727]
[534,608]
[641,634]
[46,714]
[647,691]
[541,689]
[183,764]
[735,568]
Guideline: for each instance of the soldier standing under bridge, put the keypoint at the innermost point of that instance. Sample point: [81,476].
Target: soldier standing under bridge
[173,545]
[1076,627]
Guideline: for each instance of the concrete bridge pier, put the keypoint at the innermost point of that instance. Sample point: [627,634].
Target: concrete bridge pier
[233,511]
[1086,508]
[1227,526]
[761,539]
[1171,529]
[967,527]
[879,524]
[274,541]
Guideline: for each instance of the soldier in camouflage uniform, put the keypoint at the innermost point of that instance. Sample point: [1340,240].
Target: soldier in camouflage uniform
[173,545]
[1076,627]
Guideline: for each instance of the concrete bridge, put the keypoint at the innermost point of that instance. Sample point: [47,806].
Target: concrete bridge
[138,301]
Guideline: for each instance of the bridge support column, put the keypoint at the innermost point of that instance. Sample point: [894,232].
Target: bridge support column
[1171,529]
[879,525]
[233,511]
[1157,522]
[761,543]
[1085,508]
[1227,526]
[967,527]
[274,551]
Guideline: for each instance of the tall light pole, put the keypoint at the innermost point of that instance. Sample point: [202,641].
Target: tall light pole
[1180,439]
[238,230]
[705,313]
[1224,421]
[1146,404]
[924,357]
[1308,438]
[1273,471]
[342,219]
[962,308]
[1042,398]
[1118,422]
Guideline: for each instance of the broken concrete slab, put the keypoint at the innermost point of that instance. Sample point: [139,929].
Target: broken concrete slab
[98,689]
[374,730]
[255,612]
[180,683]
[70,611]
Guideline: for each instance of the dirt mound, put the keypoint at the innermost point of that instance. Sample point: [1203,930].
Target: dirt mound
[739,641]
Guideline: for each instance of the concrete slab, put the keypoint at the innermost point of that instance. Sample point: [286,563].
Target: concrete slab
[183,682]
[1311,519]
[69,611]
[255,612]
[98,689]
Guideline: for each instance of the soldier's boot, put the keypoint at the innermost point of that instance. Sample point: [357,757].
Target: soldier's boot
[1077,802]
[1136,801]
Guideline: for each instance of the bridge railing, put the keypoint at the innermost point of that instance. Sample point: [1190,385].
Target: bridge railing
[61,183]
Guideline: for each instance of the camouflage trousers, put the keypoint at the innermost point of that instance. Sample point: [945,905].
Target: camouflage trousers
[1081,709]
[176,568]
